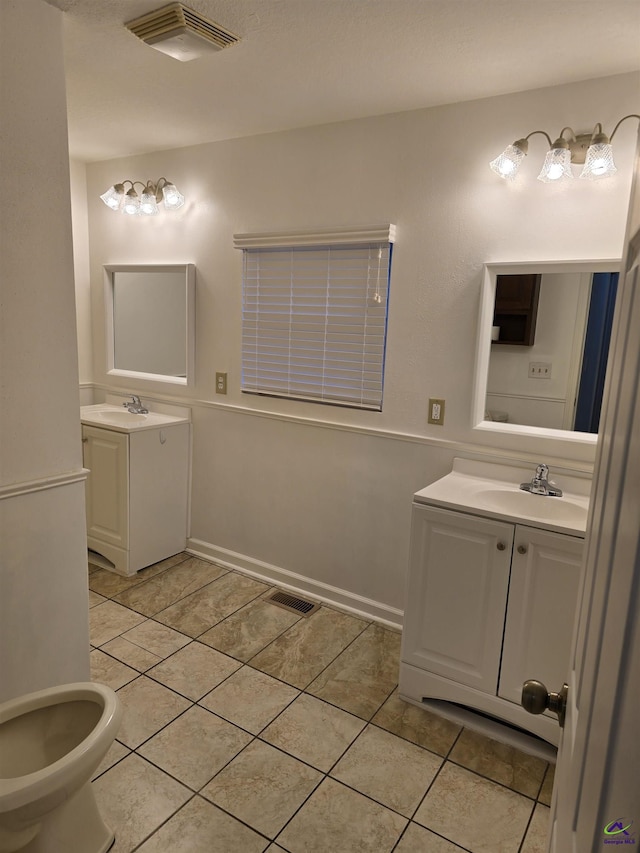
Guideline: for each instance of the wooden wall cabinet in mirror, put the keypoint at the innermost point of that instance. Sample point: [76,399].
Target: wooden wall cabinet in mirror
[516,309]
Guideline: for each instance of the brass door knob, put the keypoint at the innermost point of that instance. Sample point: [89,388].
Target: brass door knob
[536,699]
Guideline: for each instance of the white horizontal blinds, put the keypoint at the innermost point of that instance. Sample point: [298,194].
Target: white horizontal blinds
[314,322]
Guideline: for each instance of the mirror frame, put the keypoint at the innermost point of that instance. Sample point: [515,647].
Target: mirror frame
[189,272]
[483,347]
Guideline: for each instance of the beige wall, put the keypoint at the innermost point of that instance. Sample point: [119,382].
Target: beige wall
[80,227]
[320,496]
[43,562]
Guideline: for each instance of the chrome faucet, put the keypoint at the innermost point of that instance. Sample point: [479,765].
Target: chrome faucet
[540,484]
[135,406]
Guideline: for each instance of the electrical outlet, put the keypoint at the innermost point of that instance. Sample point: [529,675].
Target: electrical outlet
[221,383]
[539,370]
[436,411]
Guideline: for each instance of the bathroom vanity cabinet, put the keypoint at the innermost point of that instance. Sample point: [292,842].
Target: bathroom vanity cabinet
[490,603]
[136,493]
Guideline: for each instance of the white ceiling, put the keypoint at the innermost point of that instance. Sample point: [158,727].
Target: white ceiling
[305,62]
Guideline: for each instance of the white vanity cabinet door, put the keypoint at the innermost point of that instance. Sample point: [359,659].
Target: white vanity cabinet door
[158,494]
[543,595]
[136,494]
[106,455]
[457,594]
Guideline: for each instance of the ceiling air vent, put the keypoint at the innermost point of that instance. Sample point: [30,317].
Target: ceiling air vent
[180,32]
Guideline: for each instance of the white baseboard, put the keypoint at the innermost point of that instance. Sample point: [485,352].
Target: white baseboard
[365,608]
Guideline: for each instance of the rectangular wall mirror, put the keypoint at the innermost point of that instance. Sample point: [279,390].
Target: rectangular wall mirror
[150,318]
[550,383]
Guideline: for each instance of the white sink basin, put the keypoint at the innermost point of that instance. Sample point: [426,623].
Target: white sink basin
[117,418]
[492,490]
[554,510]
[121,417]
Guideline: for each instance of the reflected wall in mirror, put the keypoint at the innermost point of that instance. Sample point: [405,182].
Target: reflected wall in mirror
[553,384]
[150,313]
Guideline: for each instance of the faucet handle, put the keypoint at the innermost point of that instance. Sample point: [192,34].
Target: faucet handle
[542,472]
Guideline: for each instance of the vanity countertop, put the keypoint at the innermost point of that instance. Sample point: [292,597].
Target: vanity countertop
[487,489]
[119,419]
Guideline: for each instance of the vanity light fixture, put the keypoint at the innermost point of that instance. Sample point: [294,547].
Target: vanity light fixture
[153,193]
[594,150]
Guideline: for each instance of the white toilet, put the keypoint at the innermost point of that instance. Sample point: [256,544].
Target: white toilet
[50,744]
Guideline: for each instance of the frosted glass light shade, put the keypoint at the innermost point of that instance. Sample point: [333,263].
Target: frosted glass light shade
[556,166]
[508,163]
[131,203]
[173,199]
[114,196]
[599,162]
[148,203]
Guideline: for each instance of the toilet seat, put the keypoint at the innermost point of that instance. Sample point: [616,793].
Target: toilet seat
[51,742]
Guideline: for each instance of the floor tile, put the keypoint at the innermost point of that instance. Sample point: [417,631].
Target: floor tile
[109,620]
[110,584]
[546,791]
[417,839]
[95,598]
[500,762]
[156,638]
[195,746]
[313,731]
[535,841]
[204,608]
[340,820]
[140,659]
[250,699]
[263,787]
[147,707]
[474,812]
[247,631]
[302,652]
[201,827]
[416,724]
[194,670]
[364,675]
[106,670]
[135,798]
[154,595]
[115,753]
[388,769]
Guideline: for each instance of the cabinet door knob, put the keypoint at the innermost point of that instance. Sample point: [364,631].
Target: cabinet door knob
[522,549]
[501,546]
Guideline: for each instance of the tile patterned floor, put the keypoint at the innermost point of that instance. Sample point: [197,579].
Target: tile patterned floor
[249,729]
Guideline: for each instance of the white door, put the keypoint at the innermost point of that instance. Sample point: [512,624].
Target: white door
[596,799]
[106,454]
[457,595]
[543,589]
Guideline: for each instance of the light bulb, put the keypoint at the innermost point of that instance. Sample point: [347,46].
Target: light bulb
[148,203]
[131,203]
[599,161]
[508,163]
[173,199]
[114,196]
[557,163]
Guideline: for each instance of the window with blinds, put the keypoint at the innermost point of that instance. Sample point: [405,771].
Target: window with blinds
[314,315]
